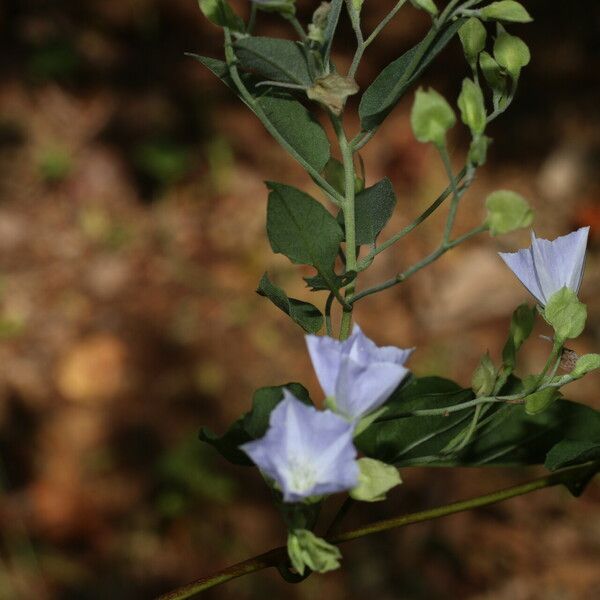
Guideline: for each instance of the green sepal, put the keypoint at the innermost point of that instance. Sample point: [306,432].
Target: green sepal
[472,107]
[431,117]
[521,326]
[507,211]
[306,315]
[541,400]
[426,5]
[220,13]
[287,8]
[566,314]
[478,150]
[484,377]
[493,74]
[306,550]
[472,37]
[585,364]
[511,53]
[505,10]
[375,480]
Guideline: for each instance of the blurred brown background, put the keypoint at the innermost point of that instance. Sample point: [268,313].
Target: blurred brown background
[132,212]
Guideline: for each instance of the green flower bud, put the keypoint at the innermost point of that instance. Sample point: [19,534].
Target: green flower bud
[539,401]
[585,364]
[305,549]
[566,314]
[511,53]
[507,211]
[431,117]
[506,10]
[484,377]
[332,91]
[220,13]
[472,37]
[427,5]
[478,150]
[472,107]
[375,480]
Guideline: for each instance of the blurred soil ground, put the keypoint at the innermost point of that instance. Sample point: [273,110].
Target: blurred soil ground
[132,212]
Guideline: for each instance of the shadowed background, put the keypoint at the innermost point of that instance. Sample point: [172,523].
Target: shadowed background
[132,211]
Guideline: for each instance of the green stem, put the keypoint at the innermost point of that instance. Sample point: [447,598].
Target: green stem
[456,195]
[360,42]
[249,99]
[349,219]
[420,219]
[576,477]
[384,23]
[328,304]
[400,277]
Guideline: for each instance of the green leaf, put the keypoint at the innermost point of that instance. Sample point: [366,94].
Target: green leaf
[305,549]
[302,229]
[431,117]
[329,33]
[511,53]
[373,208]
[253,425]
[375,480]
[472,107]
[507,211]
[521,326]
[472,37]
[264,401]
[283,112]
[571,452]
[566,314]
[275,59]
[539,401]
[585,364]
[391,84]
[228,444]
[334,282]
[426,5]
[484,377]
[401,440]
[508,437]
[506,10]
[302,313]
[220,13]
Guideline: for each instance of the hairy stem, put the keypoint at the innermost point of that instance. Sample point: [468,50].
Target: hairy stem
[574,477]
[349,219]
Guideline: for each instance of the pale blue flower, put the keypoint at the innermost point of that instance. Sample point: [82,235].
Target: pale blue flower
[359,375]
[548,266]
[306,452]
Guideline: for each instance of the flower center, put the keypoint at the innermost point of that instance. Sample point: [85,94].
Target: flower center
[303,477]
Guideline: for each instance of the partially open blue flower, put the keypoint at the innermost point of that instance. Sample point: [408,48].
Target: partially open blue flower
[306,452]
[359,375]
[548,266]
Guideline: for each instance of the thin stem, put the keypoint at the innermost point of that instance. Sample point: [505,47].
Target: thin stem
[328,304]
[562,477]
[420,219]
[456,195]
[339,516]
[384,23]
[400,277]
[249,99]
[360,42]
[574,477]
[297,27]
[252,20]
